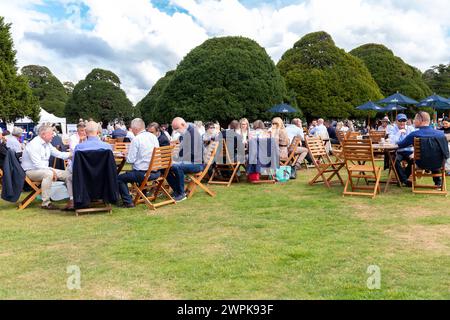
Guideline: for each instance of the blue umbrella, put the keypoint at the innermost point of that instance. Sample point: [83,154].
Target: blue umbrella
[435,101]
[398,98]
[370,106]
[282,108]
[392,107]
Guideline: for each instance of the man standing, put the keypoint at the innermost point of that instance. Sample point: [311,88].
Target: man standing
[190,157]
[35,162]
[139,155]
[397,135]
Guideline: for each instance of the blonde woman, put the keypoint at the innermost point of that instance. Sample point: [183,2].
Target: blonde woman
[244,130]
[278,131]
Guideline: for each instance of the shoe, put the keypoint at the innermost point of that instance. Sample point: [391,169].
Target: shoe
[180,197]
[407,184]
[50,207]
[128,205]
[69,206]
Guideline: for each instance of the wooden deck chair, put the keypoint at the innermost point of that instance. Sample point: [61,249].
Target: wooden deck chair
[196,178]
[418,173]
[161,161]
[36,190]
[291,160]
[323,162]
[375,137]
[360,164]
[230,166]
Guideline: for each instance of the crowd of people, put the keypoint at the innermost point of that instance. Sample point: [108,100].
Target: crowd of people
[193,138]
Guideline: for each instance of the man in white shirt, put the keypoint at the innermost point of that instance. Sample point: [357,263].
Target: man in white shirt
[35,163]
[78,137]
[139,155]
[295,129]
[320,130]
[12,141]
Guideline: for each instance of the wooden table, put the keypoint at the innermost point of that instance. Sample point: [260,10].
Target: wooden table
[390,151]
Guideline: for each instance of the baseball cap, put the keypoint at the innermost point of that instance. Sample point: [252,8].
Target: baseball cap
[401,116]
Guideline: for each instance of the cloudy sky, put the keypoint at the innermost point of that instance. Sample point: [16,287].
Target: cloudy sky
[140,40]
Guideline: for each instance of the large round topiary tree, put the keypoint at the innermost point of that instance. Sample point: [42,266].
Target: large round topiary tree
[327,81]
[222,79]
[391,73]
[100,97]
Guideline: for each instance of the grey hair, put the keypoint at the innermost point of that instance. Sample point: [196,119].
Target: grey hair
[45,128]
[16,131]
[91,127]
[138,123]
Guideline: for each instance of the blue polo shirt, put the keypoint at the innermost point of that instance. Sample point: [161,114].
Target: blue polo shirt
[92,143]
[422,132]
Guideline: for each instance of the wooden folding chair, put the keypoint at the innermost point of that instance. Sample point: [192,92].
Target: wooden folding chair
[376,136]
[149,190]
[293,156]
[323,162]
[360,163]
[418,173]
[196,178]
[36,190]
[230,167]
[122,147]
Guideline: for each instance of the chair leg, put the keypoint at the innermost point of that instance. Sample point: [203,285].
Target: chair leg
[26,202]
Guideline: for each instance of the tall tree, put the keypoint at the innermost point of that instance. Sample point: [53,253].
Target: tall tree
[16,98]
[222,79]
[100,97]
[46,88]
[327,81]
[68,86]
[391,73]
[148,106]
[438,79]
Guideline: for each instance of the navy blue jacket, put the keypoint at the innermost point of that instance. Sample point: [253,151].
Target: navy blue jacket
[13,177]
[94,177]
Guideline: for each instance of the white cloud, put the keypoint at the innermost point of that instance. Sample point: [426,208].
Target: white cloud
[140,43]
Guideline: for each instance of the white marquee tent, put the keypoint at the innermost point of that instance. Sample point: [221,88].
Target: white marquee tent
[44,117]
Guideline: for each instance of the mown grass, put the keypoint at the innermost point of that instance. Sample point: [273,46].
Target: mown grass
[283,241]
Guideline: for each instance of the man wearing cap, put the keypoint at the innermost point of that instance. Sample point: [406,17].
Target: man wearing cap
[385,126]
[13,141]
[398,133]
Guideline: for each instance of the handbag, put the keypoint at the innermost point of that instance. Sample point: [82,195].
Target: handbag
[283,173]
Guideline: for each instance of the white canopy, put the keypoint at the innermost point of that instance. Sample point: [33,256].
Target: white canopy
[45,117]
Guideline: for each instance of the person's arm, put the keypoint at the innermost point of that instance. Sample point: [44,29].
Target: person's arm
[407,141]
[58,154]
[133,151]
[35,154]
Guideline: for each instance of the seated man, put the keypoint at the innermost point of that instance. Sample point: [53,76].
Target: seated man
[13,141]
[424,130]
[190,157]
[92,141]
[398,134]
[139,155]
[118,132]
[35,162]
[156,130]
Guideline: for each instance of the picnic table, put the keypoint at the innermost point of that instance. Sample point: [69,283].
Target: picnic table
[390,151]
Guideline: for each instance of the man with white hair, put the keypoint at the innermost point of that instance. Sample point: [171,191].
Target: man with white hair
[35,162]
[13,141]
[320,130]
[190,156]
[139,155]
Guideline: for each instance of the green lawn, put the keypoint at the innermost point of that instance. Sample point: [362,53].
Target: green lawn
[284,241]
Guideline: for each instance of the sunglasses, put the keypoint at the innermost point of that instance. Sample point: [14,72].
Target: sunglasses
[402,120]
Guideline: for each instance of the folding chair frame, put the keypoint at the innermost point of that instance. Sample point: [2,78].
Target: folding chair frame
[293,156]
[356,154]
[36,186]
[196,178]
[228,166]
[418,173]
[161,161]
[323,162]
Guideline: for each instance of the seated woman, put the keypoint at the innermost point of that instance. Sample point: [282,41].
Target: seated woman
[278,131]
[259,130]
[210,134]
[244,130]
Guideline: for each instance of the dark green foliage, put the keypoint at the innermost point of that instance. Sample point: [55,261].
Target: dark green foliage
[100,97]
[391,73]
[148,106]
[222,79]
[327,81]
[46,88]
[16,98]
[438,79]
